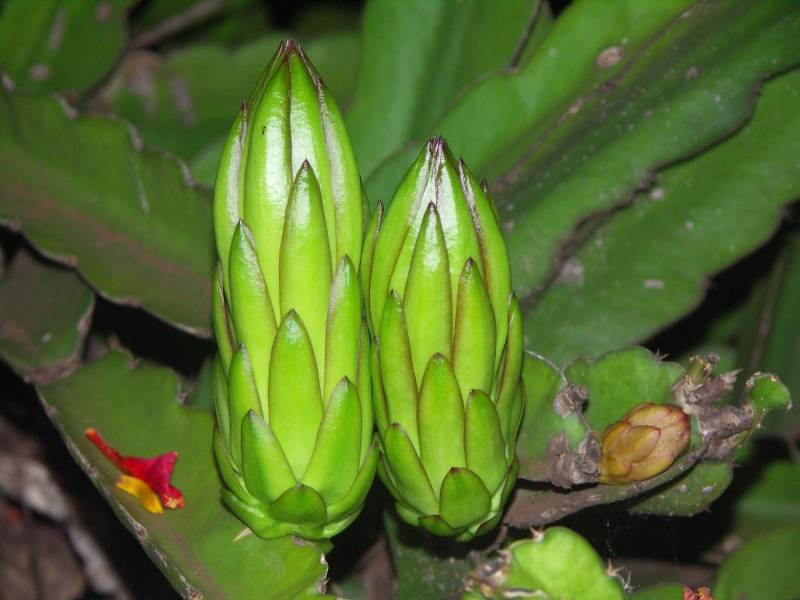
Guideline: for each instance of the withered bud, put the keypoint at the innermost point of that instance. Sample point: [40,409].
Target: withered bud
[643,443]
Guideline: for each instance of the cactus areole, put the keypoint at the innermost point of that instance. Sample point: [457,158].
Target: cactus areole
[447,349]
[291,381]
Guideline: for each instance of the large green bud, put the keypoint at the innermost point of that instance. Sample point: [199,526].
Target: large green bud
[291,382]
[447,393]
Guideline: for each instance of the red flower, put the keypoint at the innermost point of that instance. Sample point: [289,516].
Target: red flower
[155,472]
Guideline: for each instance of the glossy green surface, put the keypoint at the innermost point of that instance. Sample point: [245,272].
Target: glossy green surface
[293,403]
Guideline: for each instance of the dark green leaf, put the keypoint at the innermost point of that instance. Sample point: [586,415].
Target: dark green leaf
[84,191]
[224,21]
[615,91]
[540,423]
[201,395]
[58,46]
[186,102]
[688,494]
[557,563]
[620,380]
[700,217]
[428,567]
[769,341]
[417,56]
[202,548]
[771,502]
[45,312]
[766,567]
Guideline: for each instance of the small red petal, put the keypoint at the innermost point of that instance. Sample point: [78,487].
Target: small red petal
[156,472]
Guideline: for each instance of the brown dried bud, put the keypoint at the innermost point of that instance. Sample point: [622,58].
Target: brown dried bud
[643,443]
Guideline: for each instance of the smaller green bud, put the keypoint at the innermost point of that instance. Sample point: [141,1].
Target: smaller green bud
[448,398]
[643,443]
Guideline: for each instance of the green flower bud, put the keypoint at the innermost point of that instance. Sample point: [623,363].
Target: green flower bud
[447,393]
[291,382]
[643,443]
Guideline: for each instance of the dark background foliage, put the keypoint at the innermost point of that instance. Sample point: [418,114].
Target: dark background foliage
[746,313]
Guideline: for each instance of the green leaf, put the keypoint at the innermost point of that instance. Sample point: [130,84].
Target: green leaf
[557,564]
[689,494]
[417,56]
[540,423]
[614,92]
[768,340]
[488,121]
[620,380]
[201,393]
[227,21]
[57,46]
[770,502]
[616,382]
[45,313]
[186,102]
[199,547]
[766,567]
[564,565]
[700,217]
[84,191]
[428,567]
